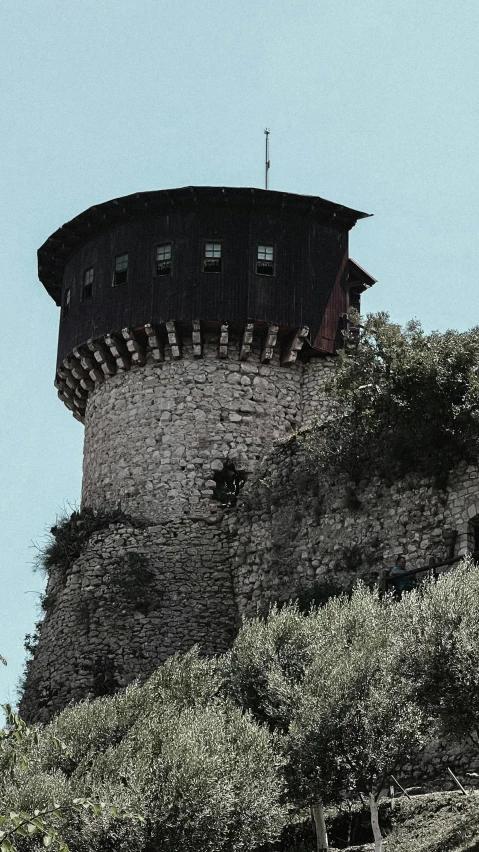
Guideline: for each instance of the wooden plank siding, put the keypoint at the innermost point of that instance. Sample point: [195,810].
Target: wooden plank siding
[307,289]
[336,307]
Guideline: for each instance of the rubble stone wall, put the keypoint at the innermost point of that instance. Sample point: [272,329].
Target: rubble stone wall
[295,528]
[430,770]
[316,400]
[155,436]
[101,631]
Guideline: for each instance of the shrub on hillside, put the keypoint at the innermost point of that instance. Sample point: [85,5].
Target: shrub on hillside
[202,774]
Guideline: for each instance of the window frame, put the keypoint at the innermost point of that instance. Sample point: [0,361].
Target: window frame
[126,269]
[158,246]
[66,302]
[85,284]
[213,258]
[258,260]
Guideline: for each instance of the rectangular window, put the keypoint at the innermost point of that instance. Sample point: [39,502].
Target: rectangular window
[212,258]
[87,286]
[265,260]
[66,303]
[163,259]
[121,270]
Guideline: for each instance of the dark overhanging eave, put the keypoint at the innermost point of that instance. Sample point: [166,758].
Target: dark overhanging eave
[63,243]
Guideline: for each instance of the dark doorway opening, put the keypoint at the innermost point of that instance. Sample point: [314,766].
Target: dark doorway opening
[475,540]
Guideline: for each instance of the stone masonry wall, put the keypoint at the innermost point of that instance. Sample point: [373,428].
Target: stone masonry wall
[103,630]
[155,436]
[295,529]
[317,377]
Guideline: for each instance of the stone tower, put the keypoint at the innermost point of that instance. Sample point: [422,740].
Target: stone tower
[197,326]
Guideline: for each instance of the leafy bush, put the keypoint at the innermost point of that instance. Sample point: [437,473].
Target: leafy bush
[343,695]
[440,628]
[265,668]
[330,684]
[206,778]
[347,733]
[202,774]
[406,402]
[320,592]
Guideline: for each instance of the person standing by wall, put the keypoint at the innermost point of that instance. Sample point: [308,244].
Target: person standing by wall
[401,583]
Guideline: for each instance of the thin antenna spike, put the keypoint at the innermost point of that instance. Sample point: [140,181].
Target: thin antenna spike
[266,133]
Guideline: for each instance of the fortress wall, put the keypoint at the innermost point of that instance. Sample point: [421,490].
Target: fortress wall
[294,528]
[154,438]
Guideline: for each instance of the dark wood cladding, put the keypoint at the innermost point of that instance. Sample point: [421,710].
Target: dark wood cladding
[309,235]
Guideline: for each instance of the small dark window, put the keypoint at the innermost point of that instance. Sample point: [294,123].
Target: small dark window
[265,260]
[163,259]
[87,286]
[212,258]
[66,303]
[354,299]
[229,483]
[121,270]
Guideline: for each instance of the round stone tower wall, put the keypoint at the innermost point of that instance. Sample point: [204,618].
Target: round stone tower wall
[156,436]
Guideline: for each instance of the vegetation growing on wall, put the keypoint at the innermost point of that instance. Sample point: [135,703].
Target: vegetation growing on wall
[30,644]
[320,592]
[406,402]
[70,535]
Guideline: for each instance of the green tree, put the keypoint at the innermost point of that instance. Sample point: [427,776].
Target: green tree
[356,720]
[440,630]
[264,673]
[406,402]
[265,668]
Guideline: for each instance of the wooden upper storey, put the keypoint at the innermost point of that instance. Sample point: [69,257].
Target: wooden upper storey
[212,254]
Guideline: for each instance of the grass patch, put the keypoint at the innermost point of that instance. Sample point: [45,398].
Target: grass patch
[438,822]
[434,822]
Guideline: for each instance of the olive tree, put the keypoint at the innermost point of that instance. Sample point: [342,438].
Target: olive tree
[264,673]
[440,630]
[194,771]
[356,720]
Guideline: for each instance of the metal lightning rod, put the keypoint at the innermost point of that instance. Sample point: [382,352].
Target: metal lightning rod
[266,133]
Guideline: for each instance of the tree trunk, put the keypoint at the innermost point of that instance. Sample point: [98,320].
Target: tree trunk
[378,840]
[317,812]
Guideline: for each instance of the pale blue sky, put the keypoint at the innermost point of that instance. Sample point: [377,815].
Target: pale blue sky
[371,103]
